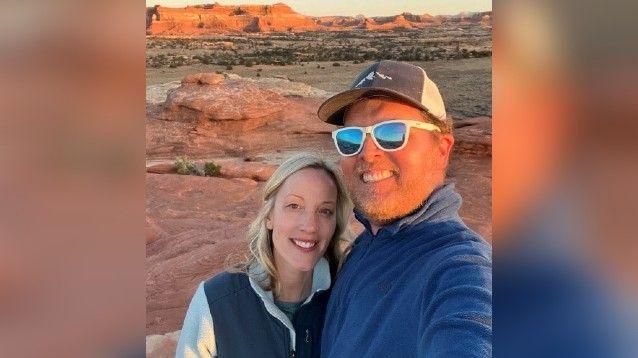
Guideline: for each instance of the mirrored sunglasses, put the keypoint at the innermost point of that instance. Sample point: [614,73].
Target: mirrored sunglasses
[391,135]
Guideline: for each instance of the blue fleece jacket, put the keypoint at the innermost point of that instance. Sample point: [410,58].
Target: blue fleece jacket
[420,287]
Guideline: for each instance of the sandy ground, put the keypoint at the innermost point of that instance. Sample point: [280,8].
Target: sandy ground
[465,84]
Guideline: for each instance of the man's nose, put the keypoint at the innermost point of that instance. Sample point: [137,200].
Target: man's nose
[369,150]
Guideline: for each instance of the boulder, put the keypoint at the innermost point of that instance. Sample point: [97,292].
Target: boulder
[205,78]
[231,106]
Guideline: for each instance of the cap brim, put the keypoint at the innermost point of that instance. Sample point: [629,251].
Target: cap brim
[332,110]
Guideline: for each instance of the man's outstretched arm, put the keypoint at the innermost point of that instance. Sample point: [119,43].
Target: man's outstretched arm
[456,318]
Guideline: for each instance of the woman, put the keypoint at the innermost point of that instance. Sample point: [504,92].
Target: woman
[273,305]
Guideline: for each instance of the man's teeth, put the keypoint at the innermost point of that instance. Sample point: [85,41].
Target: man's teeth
[376,176]
[304,244]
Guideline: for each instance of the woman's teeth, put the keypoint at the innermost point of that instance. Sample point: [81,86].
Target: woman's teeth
[376,176]
[304,244]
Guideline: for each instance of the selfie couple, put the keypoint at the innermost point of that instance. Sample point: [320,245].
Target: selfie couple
[417,282]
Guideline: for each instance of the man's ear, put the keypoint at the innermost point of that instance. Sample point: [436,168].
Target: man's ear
[445,144]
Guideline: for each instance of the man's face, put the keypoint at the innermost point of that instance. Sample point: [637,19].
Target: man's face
[386,186]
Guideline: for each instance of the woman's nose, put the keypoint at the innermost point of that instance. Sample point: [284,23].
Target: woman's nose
[309,222]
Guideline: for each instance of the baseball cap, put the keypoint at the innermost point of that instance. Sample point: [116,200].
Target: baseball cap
[400,80]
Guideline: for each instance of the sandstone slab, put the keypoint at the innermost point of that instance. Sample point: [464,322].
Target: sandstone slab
[233,106]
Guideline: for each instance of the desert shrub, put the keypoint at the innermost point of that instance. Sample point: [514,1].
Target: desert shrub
[229,68]
[336,64]
[205,59]
[200,25]
[186,166]
[204,6]
[238,11]
[211,169]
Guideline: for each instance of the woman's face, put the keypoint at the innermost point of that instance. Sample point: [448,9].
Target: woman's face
[303,219]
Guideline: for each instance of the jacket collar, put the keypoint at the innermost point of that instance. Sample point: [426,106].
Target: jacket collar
[320,281]
[442,205]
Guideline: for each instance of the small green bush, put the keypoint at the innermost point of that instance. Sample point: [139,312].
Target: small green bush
[336,64]
[186,166]
[211,169]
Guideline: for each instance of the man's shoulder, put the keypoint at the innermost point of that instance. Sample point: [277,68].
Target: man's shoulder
[225,284]
[453,238]
[452,251]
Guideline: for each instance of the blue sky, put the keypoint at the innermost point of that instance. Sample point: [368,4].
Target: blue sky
[354,7]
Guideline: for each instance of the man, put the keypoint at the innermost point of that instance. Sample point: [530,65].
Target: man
[417,282]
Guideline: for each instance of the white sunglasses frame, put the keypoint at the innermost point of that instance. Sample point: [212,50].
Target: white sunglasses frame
[368,130]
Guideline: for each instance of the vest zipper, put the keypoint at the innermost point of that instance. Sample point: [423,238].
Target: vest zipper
[292,353]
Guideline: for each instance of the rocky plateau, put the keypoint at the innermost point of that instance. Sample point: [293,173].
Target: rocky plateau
[201,20]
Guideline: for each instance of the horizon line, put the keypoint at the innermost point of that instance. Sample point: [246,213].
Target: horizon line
[331,15]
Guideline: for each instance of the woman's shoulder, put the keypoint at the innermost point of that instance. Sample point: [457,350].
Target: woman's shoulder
[225,284]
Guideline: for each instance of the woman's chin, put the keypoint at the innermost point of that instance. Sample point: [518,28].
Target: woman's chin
[304,266]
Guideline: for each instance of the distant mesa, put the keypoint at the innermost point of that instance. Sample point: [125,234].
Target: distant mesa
[208,19]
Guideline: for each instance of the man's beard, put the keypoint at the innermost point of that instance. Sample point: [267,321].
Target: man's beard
[382,210]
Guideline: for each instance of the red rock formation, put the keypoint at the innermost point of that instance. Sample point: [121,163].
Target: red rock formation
[393,22]
[466,18]
[201,20]
[215,18]
[231,107]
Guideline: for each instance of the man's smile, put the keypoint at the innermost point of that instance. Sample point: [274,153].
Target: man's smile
[375,176]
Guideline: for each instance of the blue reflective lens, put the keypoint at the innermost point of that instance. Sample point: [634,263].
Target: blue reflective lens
[390,135]
[349,140]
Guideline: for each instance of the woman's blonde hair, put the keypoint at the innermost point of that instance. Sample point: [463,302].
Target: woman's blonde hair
[260,238]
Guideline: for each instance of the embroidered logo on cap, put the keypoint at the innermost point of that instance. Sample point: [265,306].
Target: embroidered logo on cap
[370,77]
